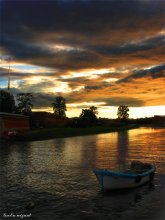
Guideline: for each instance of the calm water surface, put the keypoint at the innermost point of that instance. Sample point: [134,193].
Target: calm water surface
[56,177]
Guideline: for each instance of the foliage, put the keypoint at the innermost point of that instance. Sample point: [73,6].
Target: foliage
[59,107]
[94,110]
[7,103]
[123,112]
[24,103]
[89,116]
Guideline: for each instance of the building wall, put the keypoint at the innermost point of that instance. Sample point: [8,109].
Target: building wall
[13,122]
[45,119]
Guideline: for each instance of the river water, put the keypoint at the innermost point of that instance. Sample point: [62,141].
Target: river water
[53,179]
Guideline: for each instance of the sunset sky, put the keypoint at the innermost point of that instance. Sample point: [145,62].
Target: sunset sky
[104,53]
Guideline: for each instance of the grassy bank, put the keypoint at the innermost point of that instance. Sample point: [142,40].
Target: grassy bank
[61,132]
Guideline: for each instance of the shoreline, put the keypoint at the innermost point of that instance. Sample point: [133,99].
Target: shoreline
[64,132]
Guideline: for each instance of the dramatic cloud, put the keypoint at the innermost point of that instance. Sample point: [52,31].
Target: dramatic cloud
[154,72]
[102,51]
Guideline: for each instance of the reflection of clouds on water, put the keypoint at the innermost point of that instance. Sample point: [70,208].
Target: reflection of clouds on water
[60,172]
[106,150]
[122,144]
[112,149]
[147,145]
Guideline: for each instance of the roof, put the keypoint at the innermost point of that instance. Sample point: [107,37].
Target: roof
[13,115]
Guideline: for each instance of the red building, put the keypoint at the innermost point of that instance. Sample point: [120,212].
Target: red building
[13,123]
[46,119]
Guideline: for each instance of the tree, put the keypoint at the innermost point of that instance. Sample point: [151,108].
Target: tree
[59,107]
[123,112]
[89,115]
[7,103]
[24,103]
[94,110]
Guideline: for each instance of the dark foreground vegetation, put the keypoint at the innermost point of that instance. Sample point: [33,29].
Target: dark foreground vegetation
[61,132]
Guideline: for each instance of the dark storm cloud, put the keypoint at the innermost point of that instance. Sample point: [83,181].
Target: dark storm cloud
[22,49]
[86,34]
[96,26]
[154,72]
[93,87]
[74,82]
[132,47]
[78,16]
[40,55]
[110,101]
[45,99]
[42,99]
[117,100]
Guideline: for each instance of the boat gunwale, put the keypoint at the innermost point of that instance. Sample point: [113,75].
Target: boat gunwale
[106,172]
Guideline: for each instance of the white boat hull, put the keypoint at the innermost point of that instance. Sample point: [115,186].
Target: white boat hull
[109,180]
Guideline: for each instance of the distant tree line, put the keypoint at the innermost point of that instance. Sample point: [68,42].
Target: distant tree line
[88,117]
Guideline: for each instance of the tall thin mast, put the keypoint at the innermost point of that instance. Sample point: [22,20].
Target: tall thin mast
[9,79]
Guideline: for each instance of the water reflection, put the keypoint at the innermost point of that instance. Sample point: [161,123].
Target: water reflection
[60,171]
[118,202]
[122,143]
[112,149]
[106,150]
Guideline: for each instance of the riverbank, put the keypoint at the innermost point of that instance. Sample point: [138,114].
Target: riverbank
[62,132]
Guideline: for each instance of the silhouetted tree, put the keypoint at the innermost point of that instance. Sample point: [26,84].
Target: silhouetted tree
[122,112]
[24,103]
[94,110]
[89,115]
[7,103]
[59,107]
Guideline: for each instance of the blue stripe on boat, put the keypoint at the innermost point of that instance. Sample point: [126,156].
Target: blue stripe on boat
[120,174]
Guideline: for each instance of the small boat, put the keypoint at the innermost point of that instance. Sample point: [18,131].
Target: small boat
[135,175]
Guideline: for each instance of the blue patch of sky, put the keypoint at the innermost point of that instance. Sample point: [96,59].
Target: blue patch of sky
[26,67]
[3,83]
[31,68]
